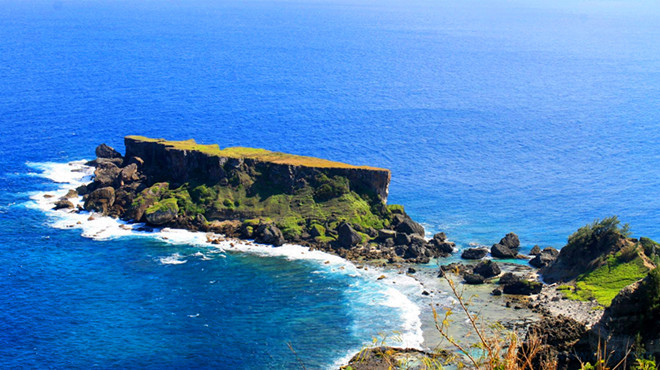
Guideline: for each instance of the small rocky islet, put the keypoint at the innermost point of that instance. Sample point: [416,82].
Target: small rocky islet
[275,198]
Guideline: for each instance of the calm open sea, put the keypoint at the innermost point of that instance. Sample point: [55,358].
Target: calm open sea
[528,116]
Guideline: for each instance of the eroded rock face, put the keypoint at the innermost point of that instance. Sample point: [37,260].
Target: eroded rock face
[160,217]
[410,227]
[63,204]
[106,174]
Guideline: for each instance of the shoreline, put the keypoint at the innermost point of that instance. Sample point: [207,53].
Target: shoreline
[422,288]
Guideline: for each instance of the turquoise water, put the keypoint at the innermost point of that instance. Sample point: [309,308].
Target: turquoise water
[527,116]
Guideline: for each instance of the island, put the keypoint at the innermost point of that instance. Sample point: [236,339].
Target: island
[601,289]
[249,193]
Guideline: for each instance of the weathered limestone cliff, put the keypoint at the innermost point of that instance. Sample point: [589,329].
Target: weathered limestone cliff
[184,161]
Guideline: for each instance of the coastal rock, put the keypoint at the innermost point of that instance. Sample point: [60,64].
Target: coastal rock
[100,199]
[63,204]
[536,250]
[402,239]
[417,240]
[561,338]
[384,234]
[408,226]
[508,278]
[137,161]
[71,194]
[269,234]
[510,240]
[105,151]
[440,237]
[473,279]
[161,216]
[454,268]
[502,251]
[487,269]
[522,287]
[545,258]
[106,174]
[382,358]
[129,173]
[474,253]
[347,237]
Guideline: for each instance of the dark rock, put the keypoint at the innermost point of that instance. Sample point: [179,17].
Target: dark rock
[106,174]
[502,251]
[100,199]
[411,270]
[347,237]
[426,293]
[523,287]
[454,268]
[269,234]
[402,239]
[71,194]
[417,240]
[160,216]
[487,269]
[496,291]
[440,237]
[561,339]
[104,151]
[384,234]
[473,279]
[408,226]
[510,241]
[474,253]
[129,173]
[508,278]
[536,250]
[139,162]
[63,204]
[440,243]
[545,258]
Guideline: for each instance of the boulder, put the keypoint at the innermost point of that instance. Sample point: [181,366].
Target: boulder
[440,237]
[508,278]
[347,237]
[139,162]
[129,173]
[502,251]
[71,194]
[63,204]
[523,287]
[474,253]
[496,291]
[106,174]
[100,199]
[402,239]
[487,269]
[545,258]
[510,240]
[473,279]
[442,248]
[160,216]
[408,226]
[269,234]
[561,338]
[454,268]
[536,250]
[384,234]
[417,240]
[105,151]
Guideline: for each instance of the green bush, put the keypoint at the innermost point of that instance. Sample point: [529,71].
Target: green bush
[606,230]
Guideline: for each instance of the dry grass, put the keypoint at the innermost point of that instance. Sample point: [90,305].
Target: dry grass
[262,155]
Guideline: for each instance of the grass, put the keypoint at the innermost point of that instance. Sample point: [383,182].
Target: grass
[262,155]
[605,282]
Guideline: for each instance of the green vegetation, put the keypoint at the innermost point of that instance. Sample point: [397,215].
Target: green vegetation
[603,231]
[605,282]
[168,204]
[253,153]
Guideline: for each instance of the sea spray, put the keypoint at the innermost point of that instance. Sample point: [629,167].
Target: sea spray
[367,290]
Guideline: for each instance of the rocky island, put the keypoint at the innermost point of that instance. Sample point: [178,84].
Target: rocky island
[249,193]
[603,286]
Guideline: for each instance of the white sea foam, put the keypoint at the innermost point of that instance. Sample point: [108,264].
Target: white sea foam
[393,291]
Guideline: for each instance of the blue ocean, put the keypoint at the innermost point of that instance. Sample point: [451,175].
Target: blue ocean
[534,117]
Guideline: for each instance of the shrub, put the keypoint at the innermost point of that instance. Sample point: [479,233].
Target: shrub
[605,230]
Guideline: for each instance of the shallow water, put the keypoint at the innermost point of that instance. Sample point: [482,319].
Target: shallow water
[527,116]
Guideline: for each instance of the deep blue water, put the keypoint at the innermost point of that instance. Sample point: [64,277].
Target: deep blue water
[494,116]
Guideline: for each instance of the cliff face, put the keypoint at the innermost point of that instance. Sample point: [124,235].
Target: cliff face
[186,161]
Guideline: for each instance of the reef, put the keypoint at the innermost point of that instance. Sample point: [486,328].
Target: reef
[267,196]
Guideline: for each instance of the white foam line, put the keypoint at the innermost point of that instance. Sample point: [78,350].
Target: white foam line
[394,289]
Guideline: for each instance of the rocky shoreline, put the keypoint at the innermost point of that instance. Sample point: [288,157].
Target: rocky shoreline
[511,294]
